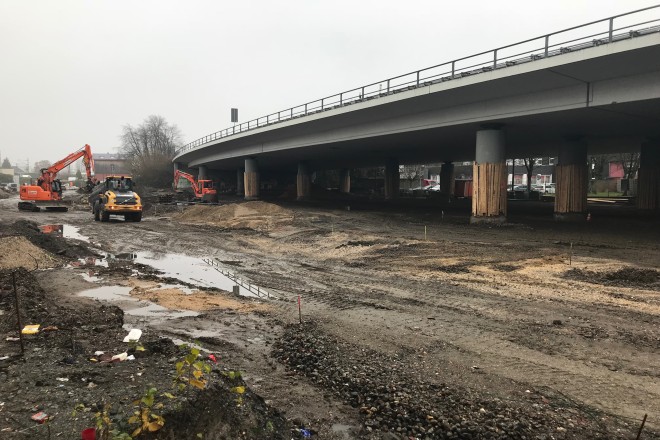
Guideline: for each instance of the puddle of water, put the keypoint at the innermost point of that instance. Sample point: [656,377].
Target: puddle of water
[90,278]
[133,307]
[89,261]
[64,230]
[188,269]
[109,293]
[155,310]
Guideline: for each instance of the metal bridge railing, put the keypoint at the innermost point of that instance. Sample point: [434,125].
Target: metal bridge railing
[606,31]
[252,288]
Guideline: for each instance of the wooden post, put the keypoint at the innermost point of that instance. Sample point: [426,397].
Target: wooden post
[18,313]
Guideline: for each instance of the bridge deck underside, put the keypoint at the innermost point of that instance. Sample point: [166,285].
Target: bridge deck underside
[610,99]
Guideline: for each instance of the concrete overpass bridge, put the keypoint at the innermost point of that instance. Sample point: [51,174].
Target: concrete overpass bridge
[594,88]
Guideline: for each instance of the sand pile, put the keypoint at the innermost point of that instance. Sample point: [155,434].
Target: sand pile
[4,194]
[249,215]
[19,252]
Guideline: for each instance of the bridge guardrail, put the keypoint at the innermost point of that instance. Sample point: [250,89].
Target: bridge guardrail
[605,31]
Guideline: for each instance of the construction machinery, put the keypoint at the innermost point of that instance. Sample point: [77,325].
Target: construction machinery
[47,193]
[203,190]
[115,196]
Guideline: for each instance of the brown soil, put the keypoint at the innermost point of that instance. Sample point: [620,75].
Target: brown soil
[402,330]
[200,300]
[250,215]
[18,252]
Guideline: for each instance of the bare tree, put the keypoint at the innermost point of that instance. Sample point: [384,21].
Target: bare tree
[412,173]
[150,148]
[41,164]
[630,164]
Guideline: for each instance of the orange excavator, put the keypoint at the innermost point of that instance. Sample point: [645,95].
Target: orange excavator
[203,190]
[47,193]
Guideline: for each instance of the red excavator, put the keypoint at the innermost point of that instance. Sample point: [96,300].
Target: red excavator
[47,193]
[203,190]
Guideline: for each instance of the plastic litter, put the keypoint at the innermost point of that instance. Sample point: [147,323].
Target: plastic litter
[62,379]
[99,353]
[89,434]
[31,329]
[119,357]
[212,357]
[12,339]
[40,417]
[133,335]
[2,358]
[130,358]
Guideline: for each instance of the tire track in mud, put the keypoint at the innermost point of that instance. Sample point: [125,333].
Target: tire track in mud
[472,316]
[454,322]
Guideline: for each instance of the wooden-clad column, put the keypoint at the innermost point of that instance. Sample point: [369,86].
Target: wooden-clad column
[447,182]
[251,179]
[648,179]
[304,185]
[392,179]
[572,181]
[345,181]
[240,182]
[489,178]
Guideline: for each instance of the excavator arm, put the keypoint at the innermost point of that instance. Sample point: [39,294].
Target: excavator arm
[189,177]
[48,175]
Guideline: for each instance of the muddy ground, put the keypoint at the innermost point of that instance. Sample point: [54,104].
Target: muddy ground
[416,325]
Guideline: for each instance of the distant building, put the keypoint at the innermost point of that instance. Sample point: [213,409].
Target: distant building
[109,164]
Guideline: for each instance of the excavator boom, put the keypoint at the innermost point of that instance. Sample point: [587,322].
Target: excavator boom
[48,190]
[203,189]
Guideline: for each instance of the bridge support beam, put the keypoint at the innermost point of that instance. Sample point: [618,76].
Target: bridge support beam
[392,179]
[177,166]
[304,182]
[251,179]
[648,183]
[447,183]
[345,181]
[202,173]
[240,182]
[572,180]
[489,178]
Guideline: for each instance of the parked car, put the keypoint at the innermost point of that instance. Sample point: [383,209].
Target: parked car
[432,188]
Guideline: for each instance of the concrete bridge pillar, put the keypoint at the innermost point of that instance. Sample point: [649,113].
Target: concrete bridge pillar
[240,182]
[392,179]
[177,166]
[648,182]
[202,173]
[345,181]
[304,182]
[447,183]
[489,178]
[251,179]
[572,181]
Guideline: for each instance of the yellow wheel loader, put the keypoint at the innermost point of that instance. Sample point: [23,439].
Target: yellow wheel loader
[115,196]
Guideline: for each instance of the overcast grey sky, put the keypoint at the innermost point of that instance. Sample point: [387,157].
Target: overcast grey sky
[74,72]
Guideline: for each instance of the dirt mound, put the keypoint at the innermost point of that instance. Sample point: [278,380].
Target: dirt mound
[626,277]
[4,194]
[50,242]
[248,215]
[19,252]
